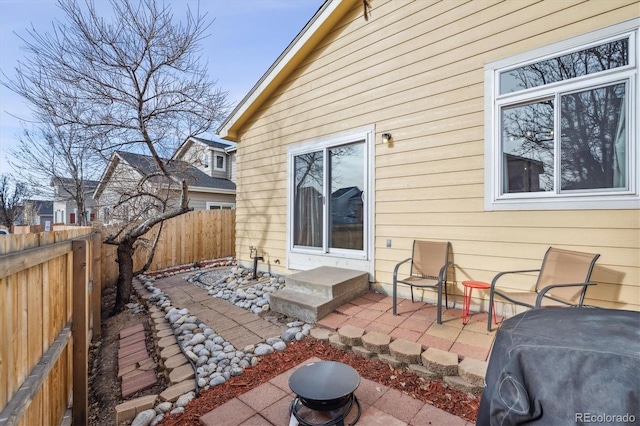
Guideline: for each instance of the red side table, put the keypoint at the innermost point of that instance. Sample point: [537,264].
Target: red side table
[466,301]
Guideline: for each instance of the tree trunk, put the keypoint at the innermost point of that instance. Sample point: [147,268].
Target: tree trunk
[126,247]
[152,252]
[125,272]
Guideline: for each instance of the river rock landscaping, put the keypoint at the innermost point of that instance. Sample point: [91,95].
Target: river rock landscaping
[224,371]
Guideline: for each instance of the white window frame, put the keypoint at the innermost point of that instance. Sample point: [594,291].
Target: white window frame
[215,162]
[221,205]
[304,258]
[494,102]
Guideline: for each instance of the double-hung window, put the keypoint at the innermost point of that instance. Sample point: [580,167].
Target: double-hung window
[561,125]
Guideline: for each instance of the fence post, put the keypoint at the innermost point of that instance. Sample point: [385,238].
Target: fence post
[80,331]
[96,278]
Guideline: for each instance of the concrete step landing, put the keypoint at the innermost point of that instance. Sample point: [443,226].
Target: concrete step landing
[312,295]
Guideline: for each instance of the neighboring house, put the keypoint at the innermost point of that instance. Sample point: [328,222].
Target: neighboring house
[36,212]
[215,158]
[524,174]
[65,208]
[512,127]
[346,205]
[126,171]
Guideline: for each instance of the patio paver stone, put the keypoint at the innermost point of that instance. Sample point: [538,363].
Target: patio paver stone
[170,351]
[405,351]
[131,330]
[423,371]
[441,362]
[399,405]
[461,384]
[391,360]
[473,371]
[350,335]
[430,415]
[320,333]
[179,374]
[175,361]
[363,352]
[262,396]
[334,340]
[128,409]
[376,342]
[172,393]
[231,413]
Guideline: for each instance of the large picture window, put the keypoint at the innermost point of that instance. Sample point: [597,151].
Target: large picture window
[562,127]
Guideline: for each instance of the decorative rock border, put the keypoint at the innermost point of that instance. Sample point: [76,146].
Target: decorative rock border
[192,354]
[191,267]
[240,288]
[466,375]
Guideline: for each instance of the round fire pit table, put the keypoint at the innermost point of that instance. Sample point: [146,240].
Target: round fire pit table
[326,387]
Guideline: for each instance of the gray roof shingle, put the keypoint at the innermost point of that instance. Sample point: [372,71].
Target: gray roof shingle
[146,165]
[214,144]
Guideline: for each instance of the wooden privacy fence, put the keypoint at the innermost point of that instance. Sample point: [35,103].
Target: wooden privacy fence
[185,239]
[31,229]
[49,299]
[50,287]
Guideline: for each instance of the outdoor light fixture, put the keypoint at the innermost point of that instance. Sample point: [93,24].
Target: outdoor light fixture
[386,137]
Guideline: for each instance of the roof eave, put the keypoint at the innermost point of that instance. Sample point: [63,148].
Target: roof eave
[319,26]
[106,175]
[211,190]
[183,147]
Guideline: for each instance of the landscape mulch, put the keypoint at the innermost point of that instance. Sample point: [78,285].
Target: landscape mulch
[433,392]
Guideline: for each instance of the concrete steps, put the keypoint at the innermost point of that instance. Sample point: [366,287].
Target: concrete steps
[312,295]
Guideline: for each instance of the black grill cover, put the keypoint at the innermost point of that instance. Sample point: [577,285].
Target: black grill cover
[555,366]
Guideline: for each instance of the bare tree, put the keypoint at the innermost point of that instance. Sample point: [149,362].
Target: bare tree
[592,122]
[61,156]
[136,81]
[12,193]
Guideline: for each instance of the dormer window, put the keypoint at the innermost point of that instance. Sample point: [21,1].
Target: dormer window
[220,162]
[205,159]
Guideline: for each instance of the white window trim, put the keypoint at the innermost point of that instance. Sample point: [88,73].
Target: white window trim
[299,258]
[215,162]
[210,204]
[540,201]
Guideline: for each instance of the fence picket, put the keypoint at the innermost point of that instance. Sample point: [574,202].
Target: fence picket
[35,297]
[37,273]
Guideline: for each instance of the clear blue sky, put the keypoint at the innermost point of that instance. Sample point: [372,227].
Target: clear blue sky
[246,37]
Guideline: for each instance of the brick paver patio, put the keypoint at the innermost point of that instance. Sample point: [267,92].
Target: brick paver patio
[269,403]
